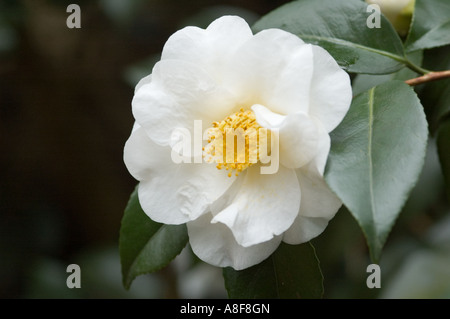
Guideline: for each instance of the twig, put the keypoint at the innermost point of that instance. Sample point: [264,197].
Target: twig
[432,76]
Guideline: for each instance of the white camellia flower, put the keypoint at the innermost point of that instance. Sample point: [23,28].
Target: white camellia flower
[226,77]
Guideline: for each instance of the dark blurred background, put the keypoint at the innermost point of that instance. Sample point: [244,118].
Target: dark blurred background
[65,114]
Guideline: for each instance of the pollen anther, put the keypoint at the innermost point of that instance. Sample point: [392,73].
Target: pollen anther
[237,142]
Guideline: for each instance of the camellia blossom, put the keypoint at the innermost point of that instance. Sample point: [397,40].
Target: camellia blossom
[226,77]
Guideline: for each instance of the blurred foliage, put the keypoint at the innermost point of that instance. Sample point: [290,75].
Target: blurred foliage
[64,117]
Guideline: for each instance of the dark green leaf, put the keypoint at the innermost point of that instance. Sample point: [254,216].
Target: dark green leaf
[146,246]
[340,26]
[431,25]
[291,272]
[364,82]
[376,156]
[443,143]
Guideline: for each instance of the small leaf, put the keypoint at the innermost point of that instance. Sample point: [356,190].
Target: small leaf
[291,272]
[146,246]
[376,156]
[340,26]
[430,25]
[443,143]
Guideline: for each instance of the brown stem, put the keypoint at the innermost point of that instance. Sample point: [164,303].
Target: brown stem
[432,76]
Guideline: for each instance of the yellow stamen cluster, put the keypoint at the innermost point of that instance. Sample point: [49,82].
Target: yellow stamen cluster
[244,136]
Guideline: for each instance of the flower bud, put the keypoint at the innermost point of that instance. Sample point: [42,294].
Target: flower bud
[398,12]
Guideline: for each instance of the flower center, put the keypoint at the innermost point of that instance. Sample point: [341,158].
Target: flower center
[237,142]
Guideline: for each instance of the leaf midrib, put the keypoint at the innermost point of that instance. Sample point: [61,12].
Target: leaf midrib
[369,154]
[393,56]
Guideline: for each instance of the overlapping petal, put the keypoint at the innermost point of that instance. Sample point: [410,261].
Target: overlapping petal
[273,68]
[209,49]
[171,193]
[178,93]
[301,138]
[215,244]
[319,205]
[331,91]
[264,206]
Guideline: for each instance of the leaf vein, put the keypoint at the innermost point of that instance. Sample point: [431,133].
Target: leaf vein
[275,275]
[370,155]
[355,45]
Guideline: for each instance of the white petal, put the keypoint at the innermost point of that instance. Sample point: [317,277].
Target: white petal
[323,149]
[304,229]
[274,68]
[188,44]
[318,200]
[264,206]
[331,91]
[179,93]
[182,194]
[143,81]
[319,205]
[266,118]
[300,137]
[171,193]
[142,156]
[298,140]
[209,49]
[216,245]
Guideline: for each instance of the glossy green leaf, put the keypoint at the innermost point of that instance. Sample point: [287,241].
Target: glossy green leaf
[376,156]
[443,143]
[430,26]
[340,26]
[146,246]
[291,272]
[364,82]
